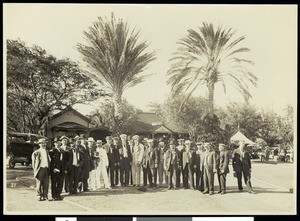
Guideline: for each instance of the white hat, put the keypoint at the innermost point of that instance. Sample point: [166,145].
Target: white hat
[135,137]
[90,139]
[76,137]
[150,140]
[123,136]
[42,140]
[187,142]
[64,137]
[99,141]
[180,140]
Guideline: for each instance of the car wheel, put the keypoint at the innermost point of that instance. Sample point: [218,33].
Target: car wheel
[11,164]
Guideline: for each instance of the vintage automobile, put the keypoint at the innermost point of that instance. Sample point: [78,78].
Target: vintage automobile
[20,147]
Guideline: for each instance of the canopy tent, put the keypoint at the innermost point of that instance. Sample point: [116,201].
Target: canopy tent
[240,136]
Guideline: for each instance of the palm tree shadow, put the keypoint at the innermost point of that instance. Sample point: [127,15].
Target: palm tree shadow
[258,190]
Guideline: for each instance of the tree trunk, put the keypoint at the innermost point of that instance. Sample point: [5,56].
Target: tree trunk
[117,102]
[211,88]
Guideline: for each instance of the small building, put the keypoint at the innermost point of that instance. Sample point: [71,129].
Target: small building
[148,124]
[70,122]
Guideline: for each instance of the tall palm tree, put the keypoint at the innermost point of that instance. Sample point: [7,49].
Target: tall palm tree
[115,56]
[208,57]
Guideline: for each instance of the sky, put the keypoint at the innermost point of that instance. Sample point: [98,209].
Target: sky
[270,31]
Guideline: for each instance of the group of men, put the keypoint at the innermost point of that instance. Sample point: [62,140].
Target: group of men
[79,164]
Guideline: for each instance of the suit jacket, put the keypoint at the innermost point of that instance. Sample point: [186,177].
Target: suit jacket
[151,157]
[58,159]
[168,159]
[138,153]
[197,161]
[37,159]
[88,162]
[180,151]
[211,163]
[113,156]
[224,161]
[160,154]
[80,158]
[121,153]
[188,156]
[240,163]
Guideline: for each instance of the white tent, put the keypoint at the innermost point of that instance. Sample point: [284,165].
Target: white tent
[240,136]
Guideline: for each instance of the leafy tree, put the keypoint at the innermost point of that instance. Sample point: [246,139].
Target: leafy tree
[116,58]
[190,116]
[207,57]
[104,115]
[38,83]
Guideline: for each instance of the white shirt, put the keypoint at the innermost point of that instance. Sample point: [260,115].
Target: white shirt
[103,157]
[75,160]
[125,154]
[44,158]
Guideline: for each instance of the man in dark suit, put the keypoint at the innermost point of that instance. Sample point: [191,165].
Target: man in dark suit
[113,159]
[150,163]
[125,160]
[197,166]
[188,162]
[74,164]
[57,168]
[64,148]
[179,174]
[171,164]
[223,167]
[86,167]
[40,164]
[242,166]
[210,168]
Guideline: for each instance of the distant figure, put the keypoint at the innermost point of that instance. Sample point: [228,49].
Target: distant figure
[276,152]
[242,166]
[267,153]
[41,164]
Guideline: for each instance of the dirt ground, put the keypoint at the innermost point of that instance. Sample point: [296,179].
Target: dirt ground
[272,182]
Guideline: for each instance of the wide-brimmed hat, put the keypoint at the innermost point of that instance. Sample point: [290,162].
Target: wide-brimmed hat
[187,142]
[90,139]
[108,137]
[55,140]
[115,138]
[76,137]
[42,140]
[99,141]
[64,137]
[135,137]
[150,140]
[123,136]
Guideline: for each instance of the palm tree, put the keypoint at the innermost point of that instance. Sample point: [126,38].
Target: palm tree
[115,56]
[208,57]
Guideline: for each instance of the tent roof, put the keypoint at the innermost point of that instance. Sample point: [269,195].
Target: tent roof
[240,136]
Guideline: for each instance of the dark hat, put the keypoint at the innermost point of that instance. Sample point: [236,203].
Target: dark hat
[55,139]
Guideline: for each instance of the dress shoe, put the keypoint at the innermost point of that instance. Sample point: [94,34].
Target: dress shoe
[169,188]
[41,199]
[252,192]
[223,192]
[205,192]
[211,193]
[220,191]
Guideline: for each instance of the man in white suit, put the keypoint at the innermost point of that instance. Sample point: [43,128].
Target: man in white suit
[137,158]
[102,166]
